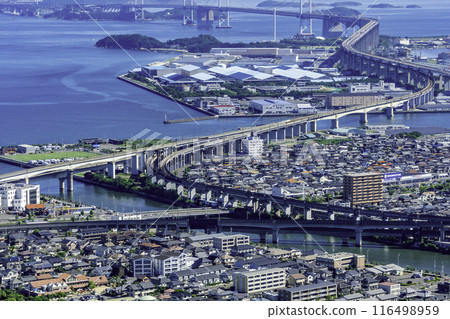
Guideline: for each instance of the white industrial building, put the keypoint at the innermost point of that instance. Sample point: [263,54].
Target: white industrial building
[223,109]
[25,148]
[253,146]
[271,106]
[18,196]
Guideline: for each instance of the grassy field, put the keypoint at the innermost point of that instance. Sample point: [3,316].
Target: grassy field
[56,155]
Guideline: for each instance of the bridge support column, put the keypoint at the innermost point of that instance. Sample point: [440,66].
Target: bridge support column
[69,181]
[62,183]
[208,195]
[358,238]
[308,214]
[363,118]
[191,193]
[180,190]
[134,165]
[263,238]
[273,136]
[313,126]
[219,150]
[288,210]
[442,237]
[281,134]
[335,123]
[275,236]
[112,170]
[331,215]
[290,132]
[238,146]
[269,207]
[390,112]
[304,128]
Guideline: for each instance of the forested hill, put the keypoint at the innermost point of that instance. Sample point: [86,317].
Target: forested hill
[201,44]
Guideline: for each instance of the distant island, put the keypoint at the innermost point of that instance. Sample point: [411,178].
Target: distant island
[345,4]
[200,44]
[343,11]
[384,6]
[413,6]
[293,4]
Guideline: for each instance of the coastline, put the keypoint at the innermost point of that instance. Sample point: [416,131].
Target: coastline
[123,78]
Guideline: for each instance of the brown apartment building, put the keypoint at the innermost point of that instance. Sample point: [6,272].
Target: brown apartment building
[363,188]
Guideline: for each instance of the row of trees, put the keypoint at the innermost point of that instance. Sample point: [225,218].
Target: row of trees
[141,183]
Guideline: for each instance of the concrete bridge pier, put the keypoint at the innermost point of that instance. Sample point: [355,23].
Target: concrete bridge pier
[69,181]
[296,130]
[275,236]
[304,128]
[442,236]
[191,193]
[390,112]
[62,183]
[205,17]
[335,123]
[134,165]
[406,106]
[265,137]
[289,132]
[219,149]
[263,237]
[281,134]
[273,136]
[268,207]
[308,214]
[288,210]
[363,118]
[112,169]
[180,190]
[358,238]
[313,126]
[26,180]
[331,215]
[238,146]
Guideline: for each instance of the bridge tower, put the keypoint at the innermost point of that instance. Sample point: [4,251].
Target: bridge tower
[224,16]
[139,13]
[188,15]
[305,23]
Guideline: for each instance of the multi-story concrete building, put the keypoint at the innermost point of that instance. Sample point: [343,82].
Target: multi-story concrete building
[341,260]
[225,242]
[223,109]
[253,146]
[363,188]
[390,287]
[270,106]
[142,265]
[256,281]
[308,292]
[338,100]
[18,196]
[169,262]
